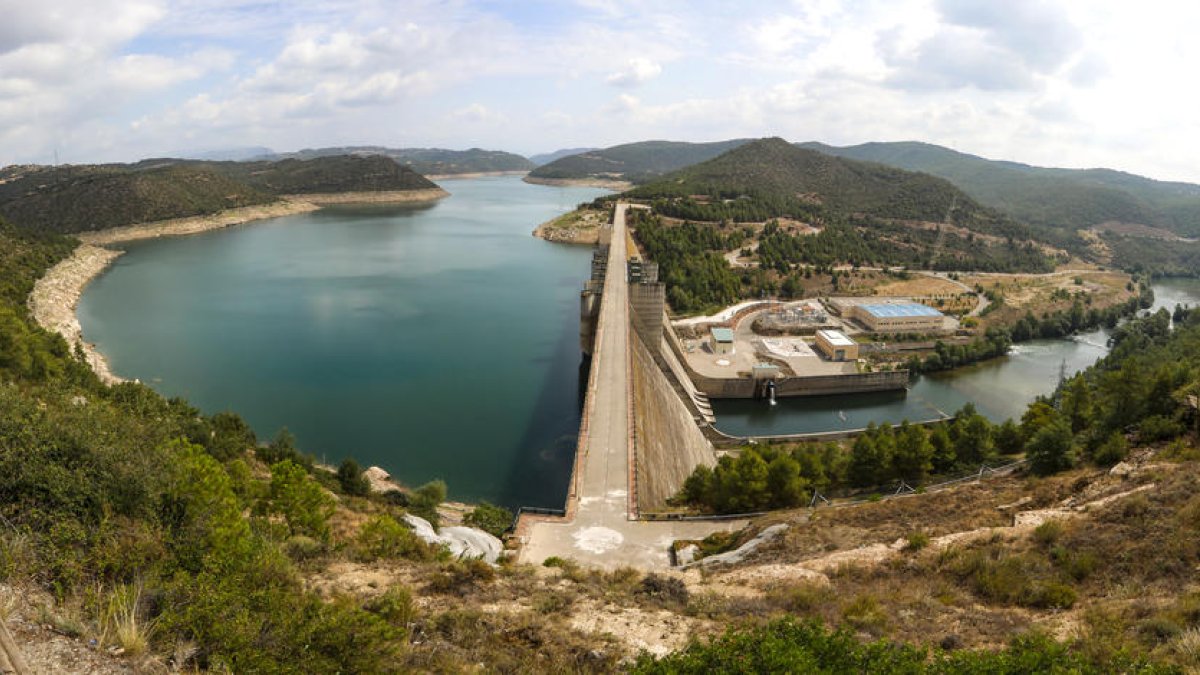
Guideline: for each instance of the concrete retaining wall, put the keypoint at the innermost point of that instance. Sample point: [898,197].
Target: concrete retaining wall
[668,443]
[819,385]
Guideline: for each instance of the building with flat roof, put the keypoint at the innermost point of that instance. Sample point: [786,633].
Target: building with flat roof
[722,340]
[836,345]
[904,317]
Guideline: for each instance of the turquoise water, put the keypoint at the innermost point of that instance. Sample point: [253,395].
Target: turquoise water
[437,341]
[442,341]
[999,388]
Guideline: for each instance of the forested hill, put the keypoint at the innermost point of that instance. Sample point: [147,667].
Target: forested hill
[634,162]
[337,173]
[427,161]
[770,178]
[82,198]
[1065,198]
[94,197]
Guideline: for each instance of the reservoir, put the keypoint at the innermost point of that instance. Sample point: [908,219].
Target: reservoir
[1000,388]
[439,341]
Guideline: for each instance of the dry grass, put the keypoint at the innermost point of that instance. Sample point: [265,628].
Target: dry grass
[123,621]
[1048,294]
[1122,566]
[919,286]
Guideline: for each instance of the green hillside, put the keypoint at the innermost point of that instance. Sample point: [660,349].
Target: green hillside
[770,178]
[1065,198]
[634,162]
[94,197]
[83,198]
[428,161]
[337,173]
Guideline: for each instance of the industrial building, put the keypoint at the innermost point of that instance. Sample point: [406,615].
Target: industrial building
[835,345]
[908,317]
[722,340]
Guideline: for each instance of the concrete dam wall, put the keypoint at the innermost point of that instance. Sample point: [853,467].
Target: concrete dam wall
[668,444]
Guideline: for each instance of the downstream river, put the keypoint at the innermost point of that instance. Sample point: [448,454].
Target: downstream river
[999,388]
[441,341]
[437,341]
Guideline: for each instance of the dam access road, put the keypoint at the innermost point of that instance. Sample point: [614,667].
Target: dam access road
[599,529]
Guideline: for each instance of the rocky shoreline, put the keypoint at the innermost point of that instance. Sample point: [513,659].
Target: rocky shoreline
[195,224]
[56,295]
[476,174]
[567,235]
[392,197]
[606,183]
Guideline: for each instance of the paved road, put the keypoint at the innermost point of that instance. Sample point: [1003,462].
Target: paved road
[601,533]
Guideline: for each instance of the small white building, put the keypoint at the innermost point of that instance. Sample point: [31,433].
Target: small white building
[722,340]
[837,345]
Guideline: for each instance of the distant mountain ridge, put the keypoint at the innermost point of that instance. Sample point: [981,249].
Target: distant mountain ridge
[547,157]
[771,178]
[1061,198]
[426,161]
[633,162]
[82,198]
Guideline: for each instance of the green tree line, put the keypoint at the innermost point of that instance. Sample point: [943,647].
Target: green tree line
[1138,392]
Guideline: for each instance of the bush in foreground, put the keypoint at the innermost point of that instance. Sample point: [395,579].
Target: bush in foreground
[792,646]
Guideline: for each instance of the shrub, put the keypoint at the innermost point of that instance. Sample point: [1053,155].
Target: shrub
[1158,428]
[300,547]
[802,597]
[423,502]
[1112,450]
[552,602]
[1048,532]
[395,606]
[663,590]
[383,537]
[351,479]
[1050,595]
[916,541]
[230,436]
[461,577]
[300,500]
[490,518]
[864,613]
[1051,448]
[1077,565]
[283,448]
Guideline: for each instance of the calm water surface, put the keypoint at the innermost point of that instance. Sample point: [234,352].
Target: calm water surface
[442,341]
[436,342]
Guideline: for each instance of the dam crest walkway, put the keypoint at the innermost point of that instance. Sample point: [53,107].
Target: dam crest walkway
[601,528]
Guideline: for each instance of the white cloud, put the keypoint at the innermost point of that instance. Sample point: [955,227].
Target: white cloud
[1075,82]
[477,113]
[97,24]
[637,71]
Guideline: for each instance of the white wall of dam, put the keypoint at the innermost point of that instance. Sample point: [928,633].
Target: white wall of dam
[669,445]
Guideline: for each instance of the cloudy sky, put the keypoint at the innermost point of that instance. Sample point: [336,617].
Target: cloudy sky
[1062,83]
